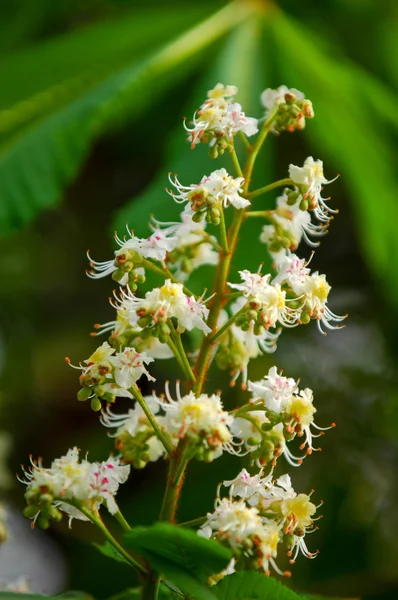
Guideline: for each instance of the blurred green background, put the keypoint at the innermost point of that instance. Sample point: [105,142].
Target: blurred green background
[92,96]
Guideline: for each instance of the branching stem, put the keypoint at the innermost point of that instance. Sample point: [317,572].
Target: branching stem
[163,436]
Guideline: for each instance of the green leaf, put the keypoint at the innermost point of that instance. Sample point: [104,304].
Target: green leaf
[349,132]
[107,550]
[183,547]
[179,554]
[251,585]
[136,594]
[67,596]
[76,61]
[36,166]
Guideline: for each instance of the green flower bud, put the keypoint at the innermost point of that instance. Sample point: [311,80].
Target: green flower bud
[43,523]
[213,152]
[118,275]
[145,321]
[83,394]
[30,511]
[55,514]
[267,426]
[46,498]
[96,404]
[258,329]
[198,216]
[304,204]
[305,318]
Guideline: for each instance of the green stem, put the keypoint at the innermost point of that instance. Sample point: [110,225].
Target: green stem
[223,232]
[180,349]
[210,239]
[255,149]
[178,357]
[172,493]
[266,214]
[244,139]
[164,273]
[227,324]
[161,435]
[270,186]
[97,521]
[235,162]
[122,521]
[224,263]
[193,522]
[150,589]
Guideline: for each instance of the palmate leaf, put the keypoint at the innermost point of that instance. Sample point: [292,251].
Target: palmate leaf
[36,167]
[349,133]
[61,69]
[241,63]
[181,555]
[250,585]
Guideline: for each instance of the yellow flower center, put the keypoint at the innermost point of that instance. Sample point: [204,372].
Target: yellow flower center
[299,509]
[301,410]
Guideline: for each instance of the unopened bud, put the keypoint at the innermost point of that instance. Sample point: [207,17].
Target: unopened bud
[30,511]
[197,217]
[83,394]
[96,404]
[43,522]
[213,152]
[304,204]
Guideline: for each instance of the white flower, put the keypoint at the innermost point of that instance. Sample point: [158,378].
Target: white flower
[231,520]
[271,99]
[69,479]
[247,487]
[267,297]
[296,223]
[218,187]
[200,419]
[128,320]
[281,395]
[165,302]
[155,246]
[310,179]
[100,355]
[220,117]
[246,344]
[311,289]
[288,107]
[316,291]
[274,389]
[134,423]
[132,250]
[292,270]
[129,366]
[191,244]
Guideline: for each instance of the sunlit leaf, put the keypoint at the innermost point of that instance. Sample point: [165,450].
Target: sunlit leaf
[251,585]
[76,61]
[35,168]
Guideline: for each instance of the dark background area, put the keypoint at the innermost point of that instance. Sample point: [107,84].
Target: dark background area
[48,306]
